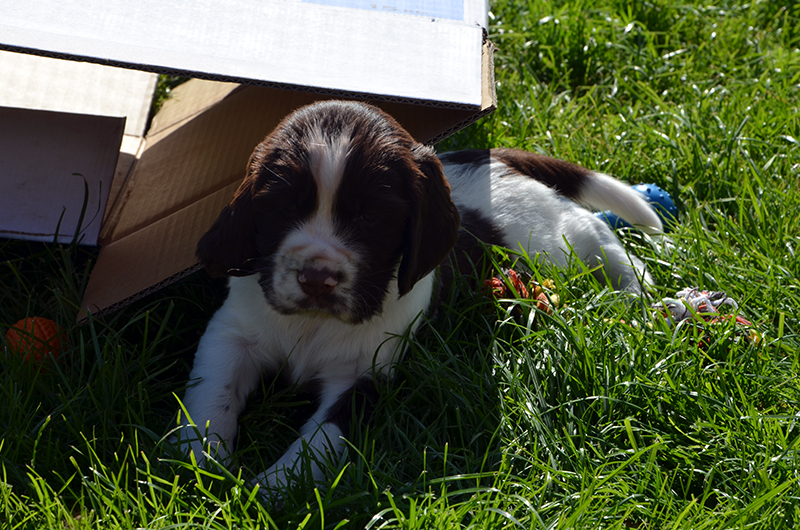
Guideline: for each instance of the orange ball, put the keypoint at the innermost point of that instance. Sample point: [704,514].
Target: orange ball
[36,338]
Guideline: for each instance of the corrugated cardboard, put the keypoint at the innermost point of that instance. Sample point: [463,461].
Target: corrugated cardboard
[42,83]
[432,73]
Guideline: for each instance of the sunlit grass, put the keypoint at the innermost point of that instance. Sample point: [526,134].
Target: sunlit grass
[599,415]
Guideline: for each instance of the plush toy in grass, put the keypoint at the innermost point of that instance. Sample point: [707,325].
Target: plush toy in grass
[658,199]
[499,289]
[36,338]
[704,306]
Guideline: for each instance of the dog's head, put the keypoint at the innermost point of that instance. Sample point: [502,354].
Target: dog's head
[339,201]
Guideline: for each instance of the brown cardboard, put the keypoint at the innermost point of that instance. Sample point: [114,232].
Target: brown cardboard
[193,160]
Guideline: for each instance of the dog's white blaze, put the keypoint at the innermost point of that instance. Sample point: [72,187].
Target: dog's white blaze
[327,157]
[314,243]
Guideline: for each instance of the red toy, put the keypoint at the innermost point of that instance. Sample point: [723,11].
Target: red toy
[499,289]
[36,338]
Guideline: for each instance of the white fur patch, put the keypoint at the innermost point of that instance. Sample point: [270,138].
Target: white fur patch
[536,219]
[327,159]
[247,336]
[314,243]
[603,192]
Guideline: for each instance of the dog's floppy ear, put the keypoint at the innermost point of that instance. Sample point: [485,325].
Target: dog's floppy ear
[433,226]
[230,242]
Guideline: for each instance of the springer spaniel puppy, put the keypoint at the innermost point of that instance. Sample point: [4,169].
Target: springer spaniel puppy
[332,243]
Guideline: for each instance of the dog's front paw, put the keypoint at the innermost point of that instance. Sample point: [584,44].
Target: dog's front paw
[281,476]
[303,460]
[274,483]
[190,441]
[272,486]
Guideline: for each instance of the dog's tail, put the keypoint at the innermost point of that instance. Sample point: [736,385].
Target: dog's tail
[592,189]
[602,192]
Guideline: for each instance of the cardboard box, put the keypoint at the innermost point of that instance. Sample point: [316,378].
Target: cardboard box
[426,63]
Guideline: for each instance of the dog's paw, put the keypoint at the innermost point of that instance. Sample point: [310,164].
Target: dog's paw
[284,473]
[303,463]
[190,443]
[275,483]
[272,488]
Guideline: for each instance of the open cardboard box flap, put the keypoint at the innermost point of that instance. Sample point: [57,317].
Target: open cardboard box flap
[408,49]
[55,172]
[191,163]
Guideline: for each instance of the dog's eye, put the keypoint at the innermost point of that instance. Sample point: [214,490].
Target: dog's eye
[368,217]
[287,207]
[271,203]
[280,203]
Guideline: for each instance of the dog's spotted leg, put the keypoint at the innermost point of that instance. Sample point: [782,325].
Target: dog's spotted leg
[224,374]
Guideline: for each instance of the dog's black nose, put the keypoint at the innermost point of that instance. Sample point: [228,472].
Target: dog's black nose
[317,282]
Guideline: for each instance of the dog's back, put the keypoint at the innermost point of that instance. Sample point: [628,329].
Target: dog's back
[528,202]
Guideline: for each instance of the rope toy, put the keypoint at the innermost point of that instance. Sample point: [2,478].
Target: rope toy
[499,289]
[692,304]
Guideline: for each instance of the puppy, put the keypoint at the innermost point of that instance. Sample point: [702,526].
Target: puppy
[332,243]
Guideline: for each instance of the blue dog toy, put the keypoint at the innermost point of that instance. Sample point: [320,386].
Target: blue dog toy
[658,199]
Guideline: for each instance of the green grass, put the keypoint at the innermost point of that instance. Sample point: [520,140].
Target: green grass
[597,416]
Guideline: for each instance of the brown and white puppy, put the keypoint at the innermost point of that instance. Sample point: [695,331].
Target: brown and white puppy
[331,245]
